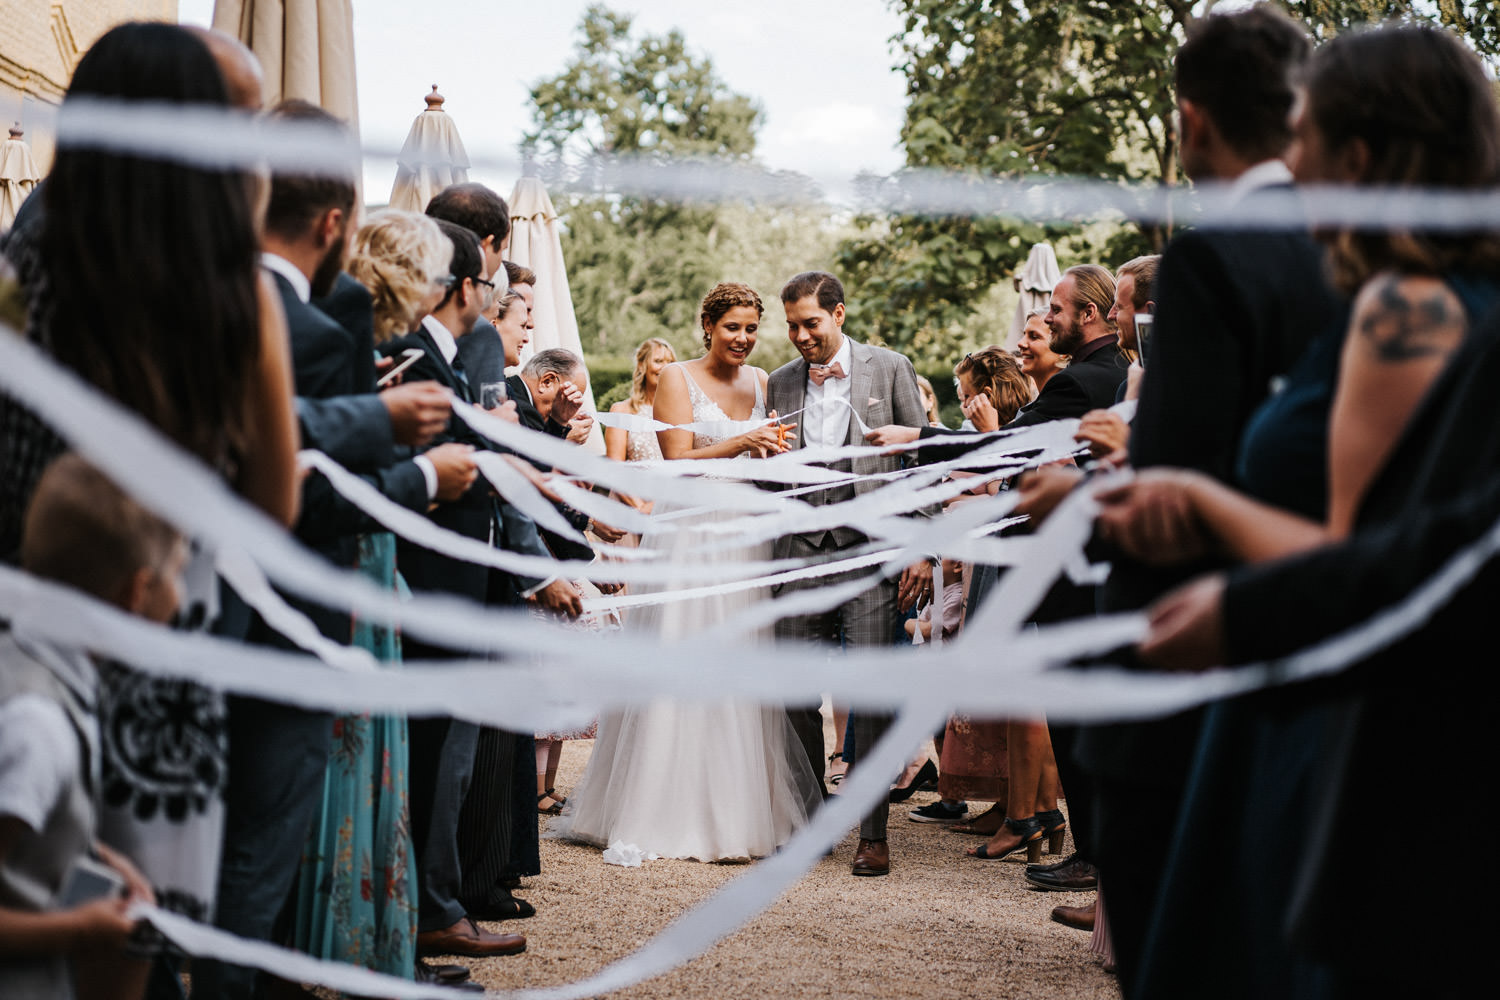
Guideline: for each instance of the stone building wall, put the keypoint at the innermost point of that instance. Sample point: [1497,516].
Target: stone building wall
[40,43]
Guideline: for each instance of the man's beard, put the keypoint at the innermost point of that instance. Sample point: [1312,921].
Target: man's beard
[1069,342]
[328,270]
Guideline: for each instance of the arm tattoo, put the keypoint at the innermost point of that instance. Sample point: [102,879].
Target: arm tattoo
[1400,329]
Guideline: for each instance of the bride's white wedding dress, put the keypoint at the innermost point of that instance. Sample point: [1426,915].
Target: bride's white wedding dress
[711,781]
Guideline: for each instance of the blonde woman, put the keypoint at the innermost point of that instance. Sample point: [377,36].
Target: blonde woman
[402,258]
[621,445]
[635,446]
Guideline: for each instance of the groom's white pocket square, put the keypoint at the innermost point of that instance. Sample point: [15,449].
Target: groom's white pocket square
[874,401]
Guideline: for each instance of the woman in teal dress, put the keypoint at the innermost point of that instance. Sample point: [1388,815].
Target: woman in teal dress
[357,895]
[357,892]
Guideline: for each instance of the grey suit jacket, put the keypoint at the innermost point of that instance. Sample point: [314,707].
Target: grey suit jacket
[882,390]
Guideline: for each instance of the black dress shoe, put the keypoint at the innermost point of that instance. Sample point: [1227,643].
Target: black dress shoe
[506,907]
[453,976]
[1055,865]
[1076,875]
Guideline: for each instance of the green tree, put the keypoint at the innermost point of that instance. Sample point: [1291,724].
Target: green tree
[1068,87]
[620,94]
[638,267]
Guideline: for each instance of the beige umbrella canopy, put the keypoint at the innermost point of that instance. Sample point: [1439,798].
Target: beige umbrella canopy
[536,242]
[305,47]
[432,158]
[1035,282]
[18,175]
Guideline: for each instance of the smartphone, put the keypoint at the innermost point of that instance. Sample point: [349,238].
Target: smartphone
[1144,323]
[88,880]
[411,354]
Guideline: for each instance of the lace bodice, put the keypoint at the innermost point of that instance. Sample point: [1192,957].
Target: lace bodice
[705,410]
[642,446]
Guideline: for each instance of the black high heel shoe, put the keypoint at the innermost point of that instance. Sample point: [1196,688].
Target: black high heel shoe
[1053,824]
[928,773]
[1030,832]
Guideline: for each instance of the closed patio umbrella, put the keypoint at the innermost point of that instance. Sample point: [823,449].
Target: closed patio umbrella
[18,175]
[1035,283]
[305,47]
[536,242]
[432,158]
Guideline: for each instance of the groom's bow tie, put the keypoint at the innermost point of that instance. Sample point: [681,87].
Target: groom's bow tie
[820,373]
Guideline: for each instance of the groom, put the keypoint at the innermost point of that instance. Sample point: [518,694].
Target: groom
[881,387]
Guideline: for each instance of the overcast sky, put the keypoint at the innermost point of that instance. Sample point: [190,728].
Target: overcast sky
[820,69]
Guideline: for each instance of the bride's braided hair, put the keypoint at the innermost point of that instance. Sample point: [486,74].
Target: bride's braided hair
[723,297]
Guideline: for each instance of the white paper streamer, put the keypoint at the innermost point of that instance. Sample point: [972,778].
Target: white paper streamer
[224,138]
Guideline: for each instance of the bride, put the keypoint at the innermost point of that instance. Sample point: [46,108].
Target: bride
[714,781]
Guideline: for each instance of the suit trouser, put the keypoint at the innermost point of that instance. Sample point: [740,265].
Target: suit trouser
[497,829]
[277,759]
[867,621]
[441,766]
[1078,788]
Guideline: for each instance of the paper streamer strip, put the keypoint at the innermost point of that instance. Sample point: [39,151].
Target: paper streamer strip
[521,494]
[240,572]
[225,138]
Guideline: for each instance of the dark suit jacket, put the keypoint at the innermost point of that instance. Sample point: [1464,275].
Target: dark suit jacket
[531,417]
[1089,384]
[1411,715]
[325,357]
[351,307]
[471,515]
[1234,310]
[354,431]
[322,351]
[482,354]
[517,389]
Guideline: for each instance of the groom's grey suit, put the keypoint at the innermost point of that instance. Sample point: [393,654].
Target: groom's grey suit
[882,390]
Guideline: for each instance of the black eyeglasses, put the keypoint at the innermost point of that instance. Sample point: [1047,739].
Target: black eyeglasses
[481,281]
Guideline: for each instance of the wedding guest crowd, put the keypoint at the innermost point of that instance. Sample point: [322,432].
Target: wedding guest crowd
[1306,437]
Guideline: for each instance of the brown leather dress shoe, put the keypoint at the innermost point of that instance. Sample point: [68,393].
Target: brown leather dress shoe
[468,938]
[1077,917]
[872,857]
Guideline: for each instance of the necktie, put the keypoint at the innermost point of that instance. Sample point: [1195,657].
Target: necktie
[458,371]
[820,373]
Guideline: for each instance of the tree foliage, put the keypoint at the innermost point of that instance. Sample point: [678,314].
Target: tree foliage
[1023,89]
[639,267]
[620,94]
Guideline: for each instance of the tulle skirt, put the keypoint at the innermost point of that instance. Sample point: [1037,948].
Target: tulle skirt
[705,780]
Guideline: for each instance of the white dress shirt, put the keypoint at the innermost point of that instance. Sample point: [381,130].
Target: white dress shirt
[826,420]
[443,337]
[1266,173]
[449,348]
[293,274]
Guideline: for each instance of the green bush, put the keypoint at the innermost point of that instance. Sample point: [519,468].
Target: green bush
[609,378]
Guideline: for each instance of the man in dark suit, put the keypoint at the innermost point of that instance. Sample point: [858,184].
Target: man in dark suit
[278,753]
[442,750]
[1235,309]
[1078,319]
[549,391]
[484,213]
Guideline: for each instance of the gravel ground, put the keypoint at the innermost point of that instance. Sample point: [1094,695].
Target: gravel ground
[940,925]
